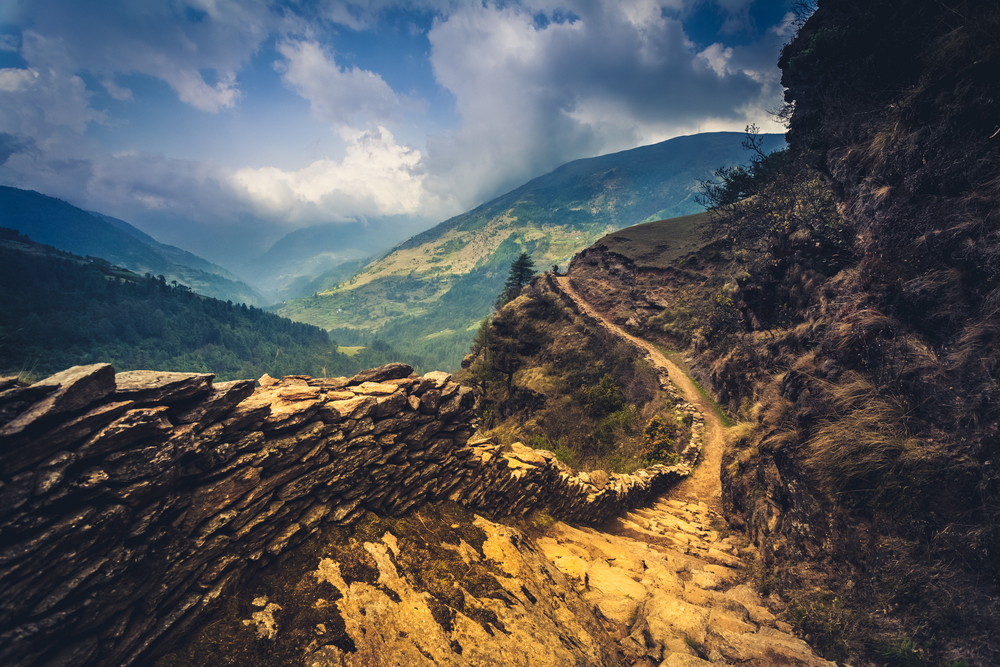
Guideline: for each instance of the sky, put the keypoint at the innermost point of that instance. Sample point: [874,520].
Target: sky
[221,125]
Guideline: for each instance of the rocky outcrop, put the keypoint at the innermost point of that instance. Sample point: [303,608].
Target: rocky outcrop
[129,504]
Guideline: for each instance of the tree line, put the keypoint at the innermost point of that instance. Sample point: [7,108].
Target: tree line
[61,310]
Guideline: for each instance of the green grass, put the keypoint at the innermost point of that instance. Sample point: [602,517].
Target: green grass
[659,244]
[350,350]
[678,361]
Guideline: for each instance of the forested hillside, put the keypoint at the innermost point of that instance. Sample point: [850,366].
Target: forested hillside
[56,223]
[60,310]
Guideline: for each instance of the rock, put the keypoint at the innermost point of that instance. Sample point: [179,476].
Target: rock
[72,389]
[599,478]
[216,496]
[51,473]
[330,384]
[438,378]
[527,455]
[352,408]
[288,406]
[684,660]
[374,389]
[770,647]
[17,399]
[429,401]
[393,371]
[390,405]
[223,398]
[267,381]
[137,425]
[161,387]
[63,435]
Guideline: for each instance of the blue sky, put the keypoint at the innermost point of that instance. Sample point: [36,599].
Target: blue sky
[221,125]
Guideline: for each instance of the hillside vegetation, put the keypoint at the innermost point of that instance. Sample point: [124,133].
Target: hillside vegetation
[427,296]
[847,317]
[61,310]
[54,222]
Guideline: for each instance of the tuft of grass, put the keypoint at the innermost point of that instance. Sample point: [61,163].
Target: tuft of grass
[866,448]
[902,652]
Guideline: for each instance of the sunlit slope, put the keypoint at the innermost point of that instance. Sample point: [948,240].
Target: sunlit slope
[444,280]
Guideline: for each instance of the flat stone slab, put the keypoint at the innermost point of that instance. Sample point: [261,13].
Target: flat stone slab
[73,389]
[160,386]
[393,371]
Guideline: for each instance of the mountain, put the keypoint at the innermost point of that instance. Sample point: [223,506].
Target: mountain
[291,267]
[63,310]
[56,223]
[430,292]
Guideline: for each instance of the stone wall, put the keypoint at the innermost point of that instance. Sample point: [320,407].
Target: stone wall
[129,503]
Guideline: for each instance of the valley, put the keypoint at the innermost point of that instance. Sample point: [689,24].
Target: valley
[427,295]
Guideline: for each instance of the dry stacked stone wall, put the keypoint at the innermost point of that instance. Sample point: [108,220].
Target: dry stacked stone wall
[130,502]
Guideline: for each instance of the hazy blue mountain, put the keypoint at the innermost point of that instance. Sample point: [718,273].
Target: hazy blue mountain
[59,224]
[294,264]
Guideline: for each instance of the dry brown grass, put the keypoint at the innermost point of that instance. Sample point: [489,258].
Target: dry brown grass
[866,446]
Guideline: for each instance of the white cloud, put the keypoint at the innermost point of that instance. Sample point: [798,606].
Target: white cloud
[173,42]
[114,90]
[41,102]
[612,76]
[337,94]
[376,177]
[717,56]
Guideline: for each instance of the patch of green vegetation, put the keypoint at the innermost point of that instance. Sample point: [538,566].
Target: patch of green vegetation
[903,652]
[350,350]
[580,393]
[678,359]
[61,310]
[661,243]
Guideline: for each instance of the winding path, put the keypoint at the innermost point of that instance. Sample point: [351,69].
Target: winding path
[704,484]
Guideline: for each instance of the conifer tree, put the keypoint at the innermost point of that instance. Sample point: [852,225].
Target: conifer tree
[522,270]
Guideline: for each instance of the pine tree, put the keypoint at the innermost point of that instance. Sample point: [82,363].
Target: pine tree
[522,270]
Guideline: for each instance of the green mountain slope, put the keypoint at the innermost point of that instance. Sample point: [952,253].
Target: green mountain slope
[54,222]
[428,294]
[62,310]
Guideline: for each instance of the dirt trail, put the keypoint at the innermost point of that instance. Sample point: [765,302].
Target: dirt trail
[704,484]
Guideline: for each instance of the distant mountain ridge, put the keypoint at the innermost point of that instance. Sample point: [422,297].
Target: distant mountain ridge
[430,291]
[61,225]
[298,263]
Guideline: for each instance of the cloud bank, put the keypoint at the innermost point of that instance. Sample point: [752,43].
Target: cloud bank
[509,92]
